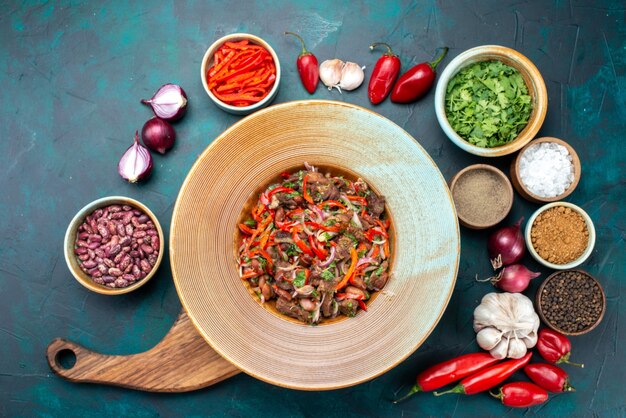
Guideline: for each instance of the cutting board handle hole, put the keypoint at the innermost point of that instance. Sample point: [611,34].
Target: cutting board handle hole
[65,359]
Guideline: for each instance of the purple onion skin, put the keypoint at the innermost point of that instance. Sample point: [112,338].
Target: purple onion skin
[169,102]
[508,243]
[514,278]
[158,135]
[136,162]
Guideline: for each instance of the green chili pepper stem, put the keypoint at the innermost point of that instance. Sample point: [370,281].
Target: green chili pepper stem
[497,396]
[457,389]
[568,388]
[413,391]
[436,62]
[304,50]
[375,44]
[565,359]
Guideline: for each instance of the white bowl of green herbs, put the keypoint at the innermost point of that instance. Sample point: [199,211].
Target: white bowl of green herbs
[491,100]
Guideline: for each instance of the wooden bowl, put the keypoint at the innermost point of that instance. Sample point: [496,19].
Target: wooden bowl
[532,78]
[553,326]
[344,139]
[70,239]
[508,194]
[207,62]
[523,190]
[590,245]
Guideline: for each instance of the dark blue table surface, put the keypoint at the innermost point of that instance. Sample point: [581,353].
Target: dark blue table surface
[72,74]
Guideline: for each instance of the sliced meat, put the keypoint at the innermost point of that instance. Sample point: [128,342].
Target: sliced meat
[358,233]
[292,308]
[321,188]
[353,290]
[282,294]
[375,204]
[378,281]
[348,307]
[279,216]
[342,220]
[288,202]
[343,247]
[359,283]
[328,286]
[330,308]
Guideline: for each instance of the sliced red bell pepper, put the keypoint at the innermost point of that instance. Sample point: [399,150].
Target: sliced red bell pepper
[280,189]
[265,255]
[296,238]
[321,253]
[246,229]
[353,261]
[362,304]
[334,228]
[331,203]
[359,199]
[250,275]
[305,192]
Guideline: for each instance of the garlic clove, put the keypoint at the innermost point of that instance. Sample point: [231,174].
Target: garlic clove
[517,348]
[330,73]
[352,76]
[501,350]
[530,340]
[488,338]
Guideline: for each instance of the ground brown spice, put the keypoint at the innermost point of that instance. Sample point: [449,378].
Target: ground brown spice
[480,197]
[559,235]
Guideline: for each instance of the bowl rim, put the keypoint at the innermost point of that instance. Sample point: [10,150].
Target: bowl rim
[550,324]
[70,235]
[208,57]
[469,57]
[501,175]
[584,255]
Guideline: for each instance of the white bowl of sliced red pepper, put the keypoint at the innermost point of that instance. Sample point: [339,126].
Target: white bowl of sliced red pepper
[240,73]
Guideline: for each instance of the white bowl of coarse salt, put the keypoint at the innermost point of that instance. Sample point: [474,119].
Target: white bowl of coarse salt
[546,170]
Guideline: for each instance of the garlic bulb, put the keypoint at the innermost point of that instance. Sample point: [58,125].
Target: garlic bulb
[352,76]
[330,73]
[341,75]
[506,324]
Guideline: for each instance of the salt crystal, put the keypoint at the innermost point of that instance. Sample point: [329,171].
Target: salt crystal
[546,169]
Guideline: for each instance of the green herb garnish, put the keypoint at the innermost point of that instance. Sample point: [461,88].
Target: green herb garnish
[293,194]
[487,103]
[250,222]
[300,279]
[293,250]
[327,275]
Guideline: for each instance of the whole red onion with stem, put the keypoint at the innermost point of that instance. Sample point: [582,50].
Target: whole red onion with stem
[136,162]
[513,279]
[169,102]
[158,135]
[506,245]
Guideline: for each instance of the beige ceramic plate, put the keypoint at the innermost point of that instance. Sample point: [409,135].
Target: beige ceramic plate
[230,173]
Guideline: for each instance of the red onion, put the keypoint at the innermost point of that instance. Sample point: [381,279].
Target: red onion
[506,245]
[366,260]
[514,278]
[330,258]
[136,163]
[158,135]
[169,102]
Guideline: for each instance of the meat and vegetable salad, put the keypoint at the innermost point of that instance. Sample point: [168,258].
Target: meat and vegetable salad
[317,244]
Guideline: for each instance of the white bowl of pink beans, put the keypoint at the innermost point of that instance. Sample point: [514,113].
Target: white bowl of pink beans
[114,245]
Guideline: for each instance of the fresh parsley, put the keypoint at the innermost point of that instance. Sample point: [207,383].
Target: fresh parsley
[327,275]
[250,222]
[487,103]
[293,250]
[300,279]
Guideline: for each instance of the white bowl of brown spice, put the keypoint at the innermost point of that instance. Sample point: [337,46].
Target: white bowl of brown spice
[560,235]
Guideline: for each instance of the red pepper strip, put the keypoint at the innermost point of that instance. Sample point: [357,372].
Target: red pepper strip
[361,248]
[386,249]
[286,226]
[383,75]
[548,376]
[334,228]
[228,98]
[555,347]
[359,199]
[362,304]
[331,203]
[353,261]
[416,81]
[246,229]
[263,223]
[321,253]
[241,68]
[231,44]
[223,63]
[487,378]
[250,275]
[291,213]
[376,251]
[285,175]
[266,256]
[307,67]
[449,371]
[300,243]
[521,395]
[305,192]
[233,63]
[264,239]
[307,276]
[257,211]
[279,190]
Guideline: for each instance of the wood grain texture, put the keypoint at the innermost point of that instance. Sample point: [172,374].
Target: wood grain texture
[182,361]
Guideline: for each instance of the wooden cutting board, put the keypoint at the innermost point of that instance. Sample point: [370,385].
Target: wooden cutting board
[181,362]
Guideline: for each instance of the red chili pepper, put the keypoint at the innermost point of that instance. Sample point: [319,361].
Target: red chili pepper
[487,378]
[307,67]
[416,81]
[305,192]
[550,377]
[449,371]
[521,395]
[383,75]
[555,347]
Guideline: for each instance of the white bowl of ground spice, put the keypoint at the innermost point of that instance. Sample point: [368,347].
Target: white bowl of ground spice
[560,235]
[482,195]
